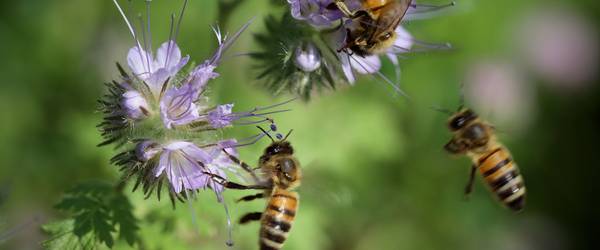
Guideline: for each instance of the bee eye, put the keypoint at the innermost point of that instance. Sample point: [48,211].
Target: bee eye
[386,36]
[458,123]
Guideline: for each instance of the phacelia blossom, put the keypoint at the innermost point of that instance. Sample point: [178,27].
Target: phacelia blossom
[159,115]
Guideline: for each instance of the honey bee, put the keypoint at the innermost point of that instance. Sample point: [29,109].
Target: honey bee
[282,175]
[373,27]
[476,139]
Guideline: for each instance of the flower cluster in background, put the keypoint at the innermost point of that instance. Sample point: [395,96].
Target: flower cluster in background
[302,52]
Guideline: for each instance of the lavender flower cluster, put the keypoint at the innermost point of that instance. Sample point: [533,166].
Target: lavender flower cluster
[159,113]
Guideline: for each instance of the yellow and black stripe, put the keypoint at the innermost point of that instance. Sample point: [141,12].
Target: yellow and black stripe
[277,219]
[503,177]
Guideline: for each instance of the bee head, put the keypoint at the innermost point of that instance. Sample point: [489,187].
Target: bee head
[376,44]
[461,119]
[279,147]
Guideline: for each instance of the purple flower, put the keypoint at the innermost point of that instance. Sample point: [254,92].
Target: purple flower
[221,116]
[202,74]
[315,12]
[307,59]
[156,71]
[178,105]
[184,164]
[146,150]
[134,105]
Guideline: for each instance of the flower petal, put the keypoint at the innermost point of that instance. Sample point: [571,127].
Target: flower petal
[202,74]
[168,55]
[220,116]
[404,39]
[177,106]
[157,80]
[346,67]
[365,65]
[139,62]
[134,105]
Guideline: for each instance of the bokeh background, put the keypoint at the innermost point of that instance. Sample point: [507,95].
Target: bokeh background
[376,174]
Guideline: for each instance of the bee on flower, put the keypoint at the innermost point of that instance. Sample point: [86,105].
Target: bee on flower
[347,37]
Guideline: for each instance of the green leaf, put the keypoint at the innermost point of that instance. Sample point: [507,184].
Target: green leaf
[97,210]
[62,236]
[124,219]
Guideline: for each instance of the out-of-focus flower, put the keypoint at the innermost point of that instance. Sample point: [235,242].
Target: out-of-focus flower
[307,58]
[318,13]
[500,92]
[306,50]
[561,46]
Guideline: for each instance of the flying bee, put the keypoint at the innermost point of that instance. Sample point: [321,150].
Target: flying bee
[476,139]
[281,175]
[374,25]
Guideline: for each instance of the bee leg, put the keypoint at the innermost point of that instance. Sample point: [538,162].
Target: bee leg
[250,217]
[343,8]
[251,197]
[232,185]
[469,187]
[242,164]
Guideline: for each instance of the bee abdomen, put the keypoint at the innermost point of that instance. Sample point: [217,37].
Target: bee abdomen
[277,219]
[503,177]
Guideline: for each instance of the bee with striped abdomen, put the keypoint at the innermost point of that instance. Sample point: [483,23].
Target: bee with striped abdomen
[374,25]
[281,171]
[475,138]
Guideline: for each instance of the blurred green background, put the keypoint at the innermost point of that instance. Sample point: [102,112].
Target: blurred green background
[376,174]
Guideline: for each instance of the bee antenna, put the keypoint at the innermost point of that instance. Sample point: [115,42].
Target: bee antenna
[266,133]
[288,134]
[461,102]
[442,110]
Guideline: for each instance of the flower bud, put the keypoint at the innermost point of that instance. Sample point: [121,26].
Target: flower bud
[146,150]
[307,58]
[134,105]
